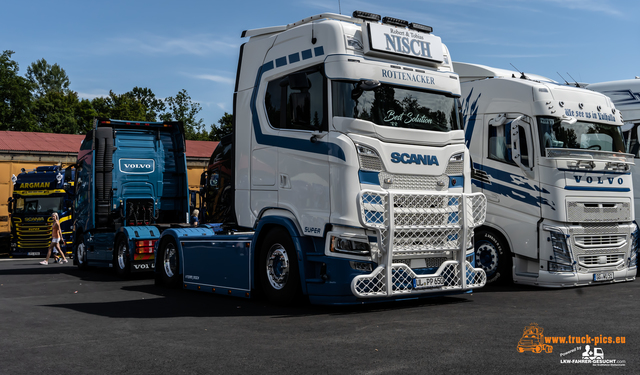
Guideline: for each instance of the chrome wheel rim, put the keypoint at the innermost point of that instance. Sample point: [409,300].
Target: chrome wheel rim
[487,255]
[169,262]
[80,253]
[122,253]
[277,266]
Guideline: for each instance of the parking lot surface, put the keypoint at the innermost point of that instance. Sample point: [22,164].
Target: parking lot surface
[57,319]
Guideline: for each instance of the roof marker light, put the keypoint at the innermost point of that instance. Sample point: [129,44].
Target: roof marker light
[420,27]
[366,16]
[395,21]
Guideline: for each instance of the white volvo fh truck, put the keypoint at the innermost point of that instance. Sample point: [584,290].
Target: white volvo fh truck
[551,161]
[347,174]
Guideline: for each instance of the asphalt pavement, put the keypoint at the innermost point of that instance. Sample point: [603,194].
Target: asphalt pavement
[57,319]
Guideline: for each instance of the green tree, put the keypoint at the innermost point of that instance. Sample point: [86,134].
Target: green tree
[182,108]
[226,127]
[15,97]
[153,107]
[46,77]
[121,107]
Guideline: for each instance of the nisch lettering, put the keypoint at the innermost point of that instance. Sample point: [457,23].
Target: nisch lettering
[408,46]
[35,185]
[404,158]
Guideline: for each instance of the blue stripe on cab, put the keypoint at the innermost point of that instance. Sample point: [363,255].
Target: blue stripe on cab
[294,58]
[281,61]
[367,177]
[306,54]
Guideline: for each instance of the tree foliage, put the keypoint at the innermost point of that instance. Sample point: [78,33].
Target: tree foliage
[226,127]
[43,101]
[46,78]
[15,97]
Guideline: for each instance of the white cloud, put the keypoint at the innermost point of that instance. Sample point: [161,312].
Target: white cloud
[214,78]
[203,44]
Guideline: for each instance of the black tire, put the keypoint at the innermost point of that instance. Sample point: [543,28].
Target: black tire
[493,256]
[80,252]
[278,268]
[121,257]
[168,263]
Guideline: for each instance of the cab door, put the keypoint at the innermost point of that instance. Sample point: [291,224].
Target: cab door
[510,179]
[297,107]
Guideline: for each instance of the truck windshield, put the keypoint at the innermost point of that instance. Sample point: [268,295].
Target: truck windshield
[38,205]
[581,135]
[395,106]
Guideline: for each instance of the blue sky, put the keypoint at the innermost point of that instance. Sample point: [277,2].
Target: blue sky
[168,46]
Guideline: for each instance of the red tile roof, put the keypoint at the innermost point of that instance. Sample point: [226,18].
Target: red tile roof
[46,142]
[50,142]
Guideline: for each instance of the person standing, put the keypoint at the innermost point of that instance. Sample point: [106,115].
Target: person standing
[56,237]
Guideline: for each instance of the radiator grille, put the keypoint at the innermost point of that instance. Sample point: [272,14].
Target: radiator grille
[584,212]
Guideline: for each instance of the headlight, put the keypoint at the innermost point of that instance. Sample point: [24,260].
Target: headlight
[350,246]
[561,261]
[369,159]
[633,258]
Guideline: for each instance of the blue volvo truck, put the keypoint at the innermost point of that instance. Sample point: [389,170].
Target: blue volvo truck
[131,185]
[36,195]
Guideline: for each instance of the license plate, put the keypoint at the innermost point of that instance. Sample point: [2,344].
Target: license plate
[603,276]
[37,253]
[428,282]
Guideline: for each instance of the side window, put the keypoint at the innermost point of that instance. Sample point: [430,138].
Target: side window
[632,137]
[500,144]
[298,101]
[498,141]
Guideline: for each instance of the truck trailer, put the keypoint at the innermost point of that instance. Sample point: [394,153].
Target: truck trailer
[346,178]
[36,195]
[551,160]
[131,184]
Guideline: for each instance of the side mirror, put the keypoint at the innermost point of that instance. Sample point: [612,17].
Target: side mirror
[516,147]
[203,179]
[568,120]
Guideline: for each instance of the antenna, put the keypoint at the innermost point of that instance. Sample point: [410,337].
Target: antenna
[522,76]
[565,81]
[574,80]
[339,7]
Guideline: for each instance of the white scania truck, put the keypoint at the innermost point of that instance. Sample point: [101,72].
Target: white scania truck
[347,176]
[551,161]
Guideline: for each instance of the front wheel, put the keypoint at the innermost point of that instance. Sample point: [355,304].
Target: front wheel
[492,254]
[278,267]
[121,256]
[80,253]
[168,263]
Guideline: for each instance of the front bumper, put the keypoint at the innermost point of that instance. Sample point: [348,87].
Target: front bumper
[419,228]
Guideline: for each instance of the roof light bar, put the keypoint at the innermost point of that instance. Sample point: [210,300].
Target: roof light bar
[366,16]
[395,21]
[419,27]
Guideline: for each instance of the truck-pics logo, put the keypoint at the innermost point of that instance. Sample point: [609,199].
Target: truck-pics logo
[533,340]
[137,166]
